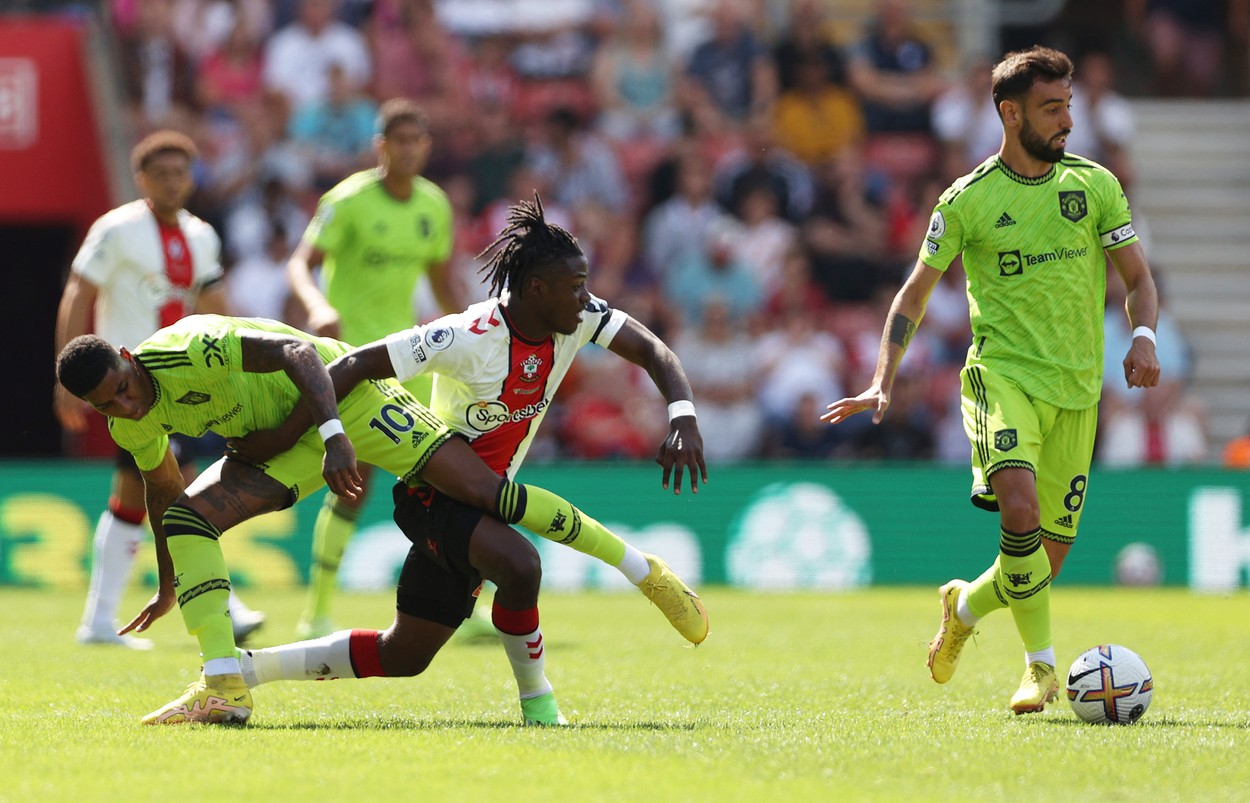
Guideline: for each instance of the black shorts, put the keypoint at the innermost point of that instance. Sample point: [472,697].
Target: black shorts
[436,583]
[185,448]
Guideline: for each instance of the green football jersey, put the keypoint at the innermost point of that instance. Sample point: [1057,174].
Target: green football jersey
[1036,271]
[197,372]
[376,248]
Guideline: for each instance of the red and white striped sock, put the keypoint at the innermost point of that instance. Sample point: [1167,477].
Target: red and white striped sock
[522,640]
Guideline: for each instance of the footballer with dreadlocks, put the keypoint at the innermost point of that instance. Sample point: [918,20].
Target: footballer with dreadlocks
[496,368]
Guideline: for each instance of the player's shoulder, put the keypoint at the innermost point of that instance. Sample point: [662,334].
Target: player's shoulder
[1087,170]
[128,214]
[430,191]
[970,184]
[357,185]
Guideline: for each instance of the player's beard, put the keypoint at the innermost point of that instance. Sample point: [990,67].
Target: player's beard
[1037,147]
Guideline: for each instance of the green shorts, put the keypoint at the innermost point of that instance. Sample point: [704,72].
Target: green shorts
[1010,429]
[386,425]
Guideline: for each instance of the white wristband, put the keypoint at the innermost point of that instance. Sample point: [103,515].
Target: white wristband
[1146,332]
[331,428]
[679,408]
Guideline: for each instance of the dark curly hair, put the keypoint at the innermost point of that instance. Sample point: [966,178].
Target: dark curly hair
[526,245]
[82,364]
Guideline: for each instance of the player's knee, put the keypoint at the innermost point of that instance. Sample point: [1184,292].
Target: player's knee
[518,568]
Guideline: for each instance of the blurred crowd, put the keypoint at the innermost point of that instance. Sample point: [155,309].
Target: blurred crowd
[749,186]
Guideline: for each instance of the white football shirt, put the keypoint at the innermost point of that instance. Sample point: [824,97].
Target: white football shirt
[123,255]
[491,384]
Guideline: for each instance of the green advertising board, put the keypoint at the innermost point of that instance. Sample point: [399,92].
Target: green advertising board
[765,525]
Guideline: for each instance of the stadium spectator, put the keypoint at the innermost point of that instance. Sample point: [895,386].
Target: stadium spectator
[712,273]
[796,358]
[251,152]
[579,167]
[806,36]
[965,121]
[298,56]
[204,26]
[847,233]
[763,239]
[1030,396]
[229,76]
[1186,40]
[1102,119]
[142,265]
[892,70]
[713,353]
[682,223]
[251,222]
[158,76]
[257,286]
[817,120]
[634,80]
[730,76]
[759,159]
[415,57]
[499,152]
[335,135]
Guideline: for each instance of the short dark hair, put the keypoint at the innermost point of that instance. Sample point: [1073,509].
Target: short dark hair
[400,110]
[161,142]
[82,364]
[1014,76]
[527,245]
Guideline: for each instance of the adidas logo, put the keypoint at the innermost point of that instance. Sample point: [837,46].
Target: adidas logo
[1004,220]
[1064,521]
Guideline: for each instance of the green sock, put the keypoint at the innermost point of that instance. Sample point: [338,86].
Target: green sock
[1024,576]
[203,582]
[335,525]
[556,519]
[984,596]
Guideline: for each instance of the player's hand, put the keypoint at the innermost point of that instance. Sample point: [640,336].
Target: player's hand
[683,450]
[874,399]
[157,607]
[339,468]
[1141,365]
[324,321]
[70,410]
[259,446]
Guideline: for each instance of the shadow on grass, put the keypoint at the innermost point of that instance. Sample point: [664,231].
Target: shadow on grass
[1150,723]
[368,723]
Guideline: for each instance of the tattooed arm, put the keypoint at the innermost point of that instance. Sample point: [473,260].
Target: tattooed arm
[900,325]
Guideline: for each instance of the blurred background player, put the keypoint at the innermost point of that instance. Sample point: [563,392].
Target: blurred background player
[374,236]
[142,266]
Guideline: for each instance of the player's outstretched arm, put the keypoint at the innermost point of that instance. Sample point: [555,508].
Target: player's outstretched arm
[900,325]
[161,487]
[72,319]
[682,450]
[323,319]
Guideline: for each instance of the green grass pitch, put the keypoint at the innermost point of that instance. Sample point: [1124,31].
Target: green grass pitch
[803,697]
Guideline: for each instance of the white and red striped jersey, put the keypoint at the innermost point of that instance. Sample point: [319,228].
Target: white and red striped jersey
[148,275]
[491,384]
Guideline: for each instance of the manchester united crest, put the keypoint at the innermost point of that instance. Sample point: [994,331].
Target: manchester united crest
[1072,205]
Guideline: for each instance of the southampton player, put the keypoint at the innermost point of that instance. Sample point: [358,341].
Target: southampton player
[1035,226]
[142,266]
[496,368]
[233,376]
[374,235]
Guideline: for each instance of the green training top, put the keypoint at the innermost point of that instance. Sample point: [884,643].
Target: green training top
[197,372]
[1033,255]
[376,248]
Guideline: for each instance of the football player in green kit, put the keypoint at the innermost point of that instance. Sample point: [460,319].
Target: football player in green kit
[375,234]
[1035,226]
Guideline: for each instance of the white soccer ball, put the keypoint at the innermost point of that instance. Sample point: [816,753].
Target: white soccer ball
[1110,685]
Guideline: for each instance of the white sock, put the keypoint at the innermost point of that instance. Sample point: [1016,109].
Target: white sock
[634,565]
[529,662]
[222,666]
[325,658]
[1046,656]
[963,611]
[112,556]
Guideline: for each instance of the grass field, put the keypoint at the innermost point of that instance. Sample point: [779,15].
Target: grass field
[793,697]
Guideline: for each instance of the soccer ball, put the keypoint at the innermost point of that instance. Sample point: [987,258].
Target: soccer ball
[1110,685]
